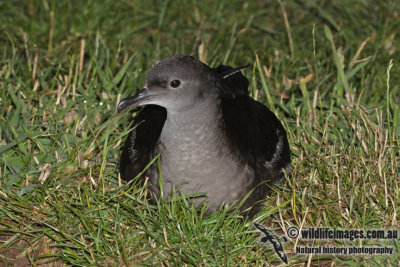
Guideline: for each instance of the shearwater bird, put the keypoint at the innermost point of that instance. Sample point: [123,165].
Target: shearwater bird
[212,137]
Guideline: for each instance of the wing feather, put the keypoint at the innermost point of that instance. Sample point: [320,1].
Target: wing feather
[141,143]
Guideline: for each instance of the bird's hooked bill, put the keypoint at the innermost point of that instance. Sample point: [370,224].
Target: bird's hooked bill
[134,101]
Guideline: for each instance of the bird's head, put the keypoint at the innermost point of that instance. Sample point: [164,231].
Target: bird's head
[175,83]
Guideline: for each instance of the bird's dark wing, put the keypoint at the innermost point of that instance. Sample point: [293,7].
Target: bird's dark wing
[140,144]
[234,83]
[249,123]
[254,134]
[257,135]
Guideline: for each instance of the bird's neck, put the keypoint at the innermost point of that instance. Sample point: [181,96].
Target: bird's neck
[186,130]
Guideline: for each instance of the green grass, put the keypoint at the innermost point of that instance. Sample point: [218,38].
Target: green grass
[329,71]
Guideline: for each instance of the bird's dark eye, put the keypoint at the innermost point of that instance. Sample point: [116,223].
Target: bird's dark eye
[175,83]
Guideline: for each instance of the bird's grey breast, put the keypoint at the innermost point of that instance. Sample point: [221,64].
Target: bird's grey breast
[196,158]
